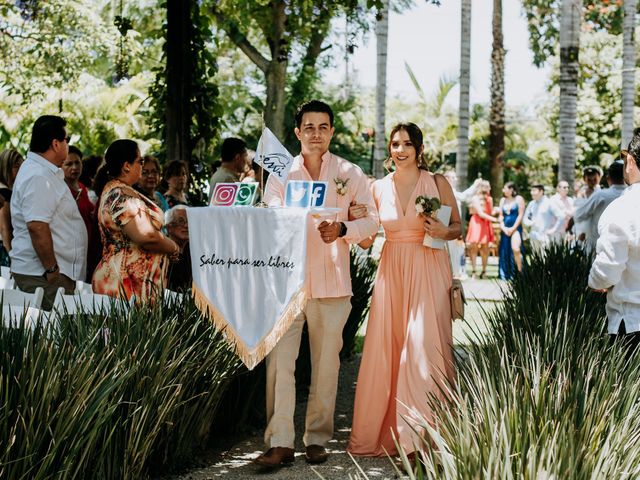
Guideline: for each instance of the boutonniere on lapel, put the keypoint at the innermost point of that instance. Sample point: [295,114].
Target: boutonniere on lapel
[341,186]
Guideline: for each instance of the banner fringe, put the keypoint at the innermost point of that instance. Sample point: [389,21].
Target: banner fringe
[251,358]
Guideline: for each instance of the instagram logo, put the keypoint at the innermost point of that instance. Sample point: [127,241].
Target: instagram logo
[224,194]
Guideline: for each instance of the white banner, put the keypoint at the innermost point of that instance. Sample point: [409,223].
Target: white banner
[272,156]
[248,273]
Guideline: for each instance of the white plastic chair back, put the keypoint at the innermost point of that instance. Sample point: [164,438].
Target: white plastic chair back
[83,287]
[21,299]
[5,272]
[15,316]
[7,283]
[87,303]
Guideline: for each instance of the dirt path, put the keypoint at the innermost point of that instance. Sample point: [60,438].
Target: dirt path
[237,462]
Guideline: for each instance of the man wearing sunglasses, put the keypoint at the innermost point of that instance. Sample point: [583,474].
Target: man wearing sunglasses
[49,248]
[616,268]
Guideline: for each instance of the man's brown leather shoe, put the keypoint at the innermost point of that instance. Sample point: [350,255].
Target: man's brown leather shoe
[275,457]
[316,454]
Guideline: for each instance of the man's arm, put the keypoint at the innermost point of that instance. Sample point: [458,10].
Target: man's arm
[587,209]
[43,245]
[358,230]
[612,253]
[528,215]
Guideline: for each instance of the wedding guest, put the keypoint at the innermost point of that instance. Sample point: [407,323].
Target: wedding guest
[542,218]
[563,203]
[408,347]
[480,231]
[511,246]
[616,268]
[10,161]
[90,166]
[135,252]
[590,211]
[328,282]
[149,181]
[180,275]
[176,177]
[72,168]
[49,248]
[591,175]
[456,247]
[234,156]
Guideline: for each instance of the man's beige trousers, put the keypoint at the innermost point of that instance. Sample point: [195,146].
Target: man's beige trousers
[325,319]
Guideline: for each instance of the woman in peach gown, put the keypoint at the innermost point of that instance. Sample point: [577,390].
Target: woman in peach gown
[408,346]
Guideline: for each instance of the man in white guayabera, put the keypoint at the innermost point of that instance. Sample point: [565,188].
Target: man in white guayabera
[616,268]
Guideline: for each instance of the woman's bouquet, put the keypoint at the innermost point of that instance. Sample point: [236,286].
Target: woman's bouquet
[428,207]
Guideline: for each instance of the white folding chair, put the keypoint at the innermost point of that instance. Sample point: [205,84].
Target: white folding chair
[21,299]
[7,283]
[83,287]
[5,272]
[14,316]
[172,297]
[87,303]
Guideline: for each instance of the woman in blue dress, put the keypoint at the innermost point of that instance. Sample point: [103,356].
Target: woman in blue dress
[511,247]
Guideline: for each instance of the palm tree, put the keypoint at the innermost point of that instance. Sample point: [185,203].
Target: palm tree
[570,23]
[496,115]
[382,30]
[462,159]
[628,69]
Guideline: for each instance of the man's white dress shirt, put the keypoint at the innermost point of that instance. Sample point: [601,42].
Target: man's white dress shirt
[41,194]
[542,216]
[617,263]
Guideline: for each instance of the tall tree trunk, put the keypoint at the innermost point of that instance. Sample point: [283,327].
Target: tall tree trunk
[462,158]
[382,30]
[570,24]
[178,125]
[496,115]
[276,78]
[628,70]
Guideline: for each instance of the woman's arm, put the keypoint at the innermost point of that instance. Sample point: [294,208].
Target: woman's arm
[434,227]
[5,226]
[520,203]
[481,211]
[141,232]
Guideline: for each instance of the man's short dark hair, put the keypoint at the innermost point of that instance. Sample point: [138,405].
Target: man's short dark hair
[313,106]
[231,147]
[45,130]
[634,146]
[616,172]
[538,186]
[75,150]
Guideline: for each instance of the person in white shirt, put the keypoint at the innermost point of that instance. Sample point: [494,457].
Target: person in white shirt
[456,247]
[590,211]
[616,268]
[564,203]
[542,218]
[49,246]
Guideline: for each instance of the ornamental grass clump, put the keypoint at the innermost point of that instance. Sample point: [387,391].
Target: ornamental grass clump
[109,397]
[543,394]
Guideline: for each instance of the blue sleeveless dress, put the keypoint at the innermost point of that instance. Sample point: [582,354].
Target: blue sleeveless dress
[507,265]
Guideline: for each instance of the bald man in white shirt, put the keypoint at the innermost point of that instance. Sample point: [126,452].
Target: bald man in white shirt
[616,268]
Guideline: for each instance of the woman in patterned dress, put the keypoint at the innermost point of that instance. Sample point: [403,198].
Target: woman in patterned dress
[135,253]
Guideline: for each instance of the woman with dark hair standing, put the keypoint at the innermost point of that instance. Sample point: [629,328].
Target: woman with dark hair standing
[408,347]
[511,247]
[135,252]
[10,161]
[176,176]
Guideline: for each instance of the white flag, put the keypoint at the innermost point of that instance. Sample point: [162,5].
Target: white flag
[272,156]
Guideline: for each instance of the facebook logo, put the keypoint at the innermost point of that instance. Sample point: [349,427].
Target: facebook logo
[318,191]
[298,194]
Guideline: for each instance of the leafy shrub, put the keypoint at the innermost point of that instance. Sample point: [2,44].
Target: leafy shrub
[114,397]
[544,394]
